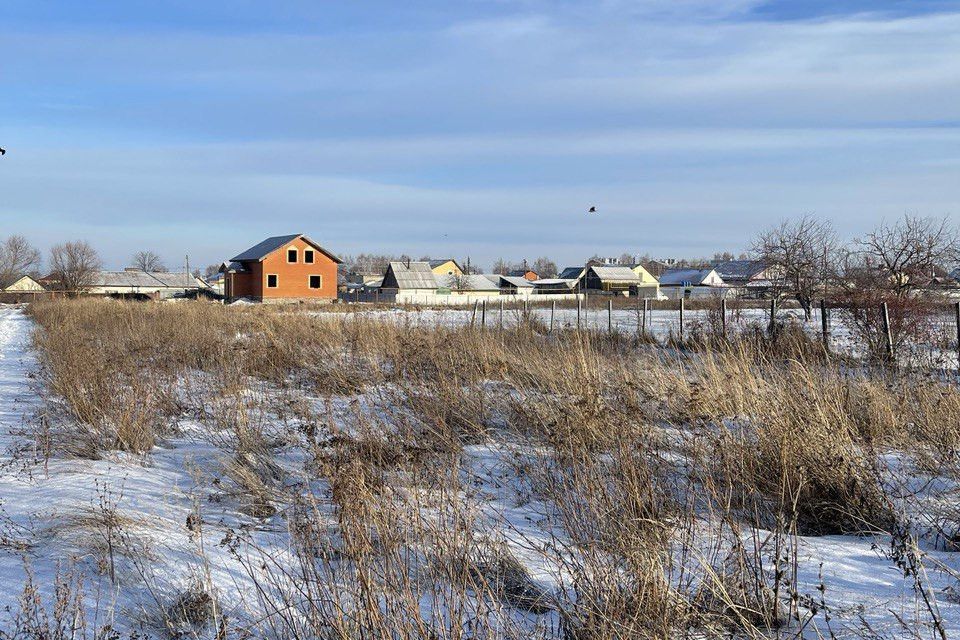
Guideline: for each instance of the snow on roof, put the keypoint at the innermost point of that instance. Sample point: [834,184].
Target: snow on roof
[144,280]
[684,276]
[617,273]
[473,282]
[739,269]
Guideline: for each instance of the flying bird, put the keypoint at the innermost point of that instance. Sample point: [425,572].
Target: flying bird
[592,210]
[3,151]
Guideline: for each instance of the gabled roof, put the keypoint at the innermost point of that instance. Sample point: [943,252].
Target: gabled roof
[413,275]
[739,269]
[554,283]
[261,250]
[516,281]
[571,273]
[441,261]
[615,273]
[12,280]
[680,277]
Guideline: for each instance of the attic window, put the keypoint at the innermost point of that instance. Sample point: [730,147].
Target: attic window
[272,281]
[308,256]
[291,255]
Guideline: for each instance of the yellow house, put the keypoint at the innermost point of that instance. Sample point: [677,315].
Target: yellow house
[648,282]
[23,283]
[445,267]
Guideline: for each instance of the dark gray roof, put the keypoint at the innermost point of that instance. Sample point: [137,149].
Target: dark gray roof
[262,250]
[739,269]
[436,263]
[265,248]
[570,273]
[681,277]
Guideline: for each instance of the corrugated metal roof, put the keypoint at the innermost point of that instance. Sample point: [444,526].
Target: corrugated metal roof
[554,283]
[680,277]
[415,275]
[177,280]
[618,274]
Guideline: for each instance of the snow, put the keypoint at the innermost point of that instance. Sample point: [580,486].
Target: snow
[46,507]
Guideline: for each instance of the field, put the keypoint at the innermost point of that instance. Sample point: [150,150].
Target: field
[198,471]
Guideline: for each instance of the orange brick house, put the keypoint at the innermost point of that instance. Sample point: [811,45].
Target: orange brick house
[282,268]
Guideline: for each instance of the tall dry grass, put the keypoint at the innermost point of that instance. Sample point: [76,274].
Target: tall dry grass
[654,469]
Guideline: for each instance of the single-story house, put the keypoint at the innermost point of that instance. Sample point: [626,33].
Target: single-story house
[413,277]
[754,278]
[689,283]
[20,284]
[511,285]
[445,267]
[545,286]
[619,279]
[283,268]
[136,283]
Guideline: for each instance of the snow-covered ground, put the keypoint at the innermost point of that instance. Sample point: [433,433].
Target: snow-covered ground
[54,515]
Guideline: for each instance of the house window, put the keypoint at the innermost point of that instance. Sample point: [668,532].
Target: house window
[308,256]
[291,255]
[316,282]
[271,281]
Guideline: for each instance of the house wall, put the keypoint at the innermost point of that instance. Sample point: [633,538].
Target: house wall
[25,284]
[293,278]
[447,268]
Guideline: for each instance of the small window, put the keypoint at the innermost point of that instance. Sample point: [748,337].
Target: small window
[316,282]
[291,255]
[272,281]
[308,256]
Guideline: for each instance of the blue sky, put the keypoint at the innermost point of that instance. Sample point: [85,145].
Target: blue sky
[472,127]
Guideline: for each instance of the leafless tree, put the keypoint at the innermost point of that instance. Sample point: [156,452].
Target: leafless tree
[17,257]
[501,267]
[148,261]
[545,267]
[906,252]
[74,265]
[800,257]
[211,270]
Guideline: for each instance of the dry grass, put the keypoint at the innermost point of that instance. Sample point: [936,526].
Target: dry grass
[653,466]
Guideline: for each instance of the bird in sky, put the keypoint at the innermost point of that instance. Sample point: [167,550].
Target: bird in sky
[3,151]
[592,210]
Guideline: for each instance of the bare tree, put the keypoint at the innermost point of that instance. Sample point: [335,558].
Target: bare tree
[800,257]
[908,251]
[17,257]
[545,267]
[74,265]
[501,267]
[211,270]
[148,261]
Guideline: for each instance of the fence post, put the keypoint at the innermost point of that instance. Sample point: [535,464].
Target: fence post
[610,315]
[473,316]
[376,295]
[825,325]
[957,310]
[553,310]
[501,315]
[681,317]
[579,303]
[483,314]
[723,316]
[886,330]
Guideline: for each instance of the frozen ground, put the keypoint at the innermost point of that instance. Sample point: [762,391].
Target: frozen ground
[52,517]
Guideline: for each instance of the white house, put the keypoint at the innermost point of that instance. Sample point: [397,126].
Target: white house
[692,283]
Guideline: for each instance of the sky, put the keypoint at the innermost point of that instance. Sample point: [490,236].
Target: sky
[471,128]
